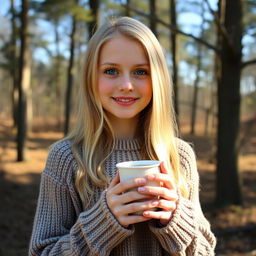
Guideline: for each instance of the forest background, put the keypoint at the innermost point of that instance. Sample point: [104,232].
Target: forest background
[210,47]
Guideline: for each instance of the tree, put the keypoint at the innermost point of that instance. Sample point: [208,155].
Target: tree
[13,68]
[54,11]
[173,22]
[23,84]
[93,24]
[70,75]
[197,79]
[127,8]
[152,19]
[228,180]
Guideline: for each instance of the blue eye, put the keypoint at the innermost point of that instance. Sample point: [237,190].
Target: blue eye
[111,71]
[141,72]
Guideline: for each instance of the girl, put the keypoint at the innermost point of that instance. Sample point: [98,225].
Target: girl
[125,113]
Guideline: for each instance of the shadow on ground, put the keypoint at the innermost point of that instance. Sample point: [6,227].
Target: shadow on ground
[18,203]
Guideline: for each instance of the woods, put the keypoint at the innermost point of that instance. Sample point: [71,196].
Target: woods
[225,25]
[210,47]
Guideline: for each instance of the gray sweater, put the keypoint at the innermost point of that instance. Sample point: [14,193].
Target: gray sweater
[63,227]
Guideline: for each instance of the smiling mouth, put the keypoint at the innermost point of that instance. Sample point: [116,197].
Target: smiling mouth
[125,99]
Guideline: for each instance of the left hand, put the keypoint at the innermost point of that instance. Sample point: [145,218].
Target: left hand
[167,195]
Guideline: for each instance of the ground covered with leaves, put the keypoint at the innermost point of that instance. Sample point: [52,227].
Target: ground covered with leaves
[234,226]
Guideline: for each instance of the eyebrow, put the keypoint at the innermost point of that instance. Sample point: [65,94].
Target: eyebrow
[115,64]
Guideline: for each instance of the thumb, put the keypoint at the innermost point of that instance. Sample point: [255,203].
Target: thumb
[163,168]
[115,180]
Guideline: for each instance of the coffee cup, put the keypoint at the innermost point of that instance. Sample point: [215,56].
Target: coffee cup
[139,169]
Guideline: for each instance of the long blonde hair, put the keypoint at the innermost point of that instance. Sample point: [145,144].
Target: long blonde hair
[93,131]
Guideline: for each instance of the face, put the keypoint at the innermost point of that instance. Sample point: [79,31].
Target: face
[124,80]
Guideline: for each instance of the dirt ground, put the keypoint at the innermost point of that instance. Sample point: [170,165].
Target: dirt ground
[235,227]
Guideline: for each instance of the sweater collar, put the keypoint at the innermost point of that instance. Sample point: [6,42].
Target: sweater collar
[127,144]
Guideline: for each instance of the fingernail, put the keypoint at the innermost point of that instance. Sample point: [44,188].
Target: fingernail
[154,203]
[142,181]
[151,176]
[141,189]
[145,214]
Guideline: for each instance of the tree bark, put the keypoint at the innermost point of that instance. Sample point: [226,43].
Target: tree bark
[92,25]
[13,70]
[197,79]
[173,20]
[57,75]
[127,8]
[195,93]
[24,84]
[152,19]
[70,76]
[228,178]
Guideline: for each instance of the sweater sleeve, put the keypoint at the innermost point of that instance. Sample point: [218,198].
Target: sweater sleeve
[188,232]
[60,228]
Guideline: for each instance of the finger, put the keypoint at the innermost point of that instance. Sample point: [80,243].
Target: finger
[132,196]
[115,180]
[168,194]
[167,205]
[165,179]
[128,185]
[163,168]
[138,207]
[160,215]
[132,219]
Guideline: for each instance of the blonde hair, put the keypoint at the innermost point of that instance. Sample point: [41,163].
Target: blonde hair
[93,131]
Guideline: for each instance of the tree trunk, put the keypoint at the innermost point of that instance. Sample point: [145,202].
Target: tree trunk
[127,8]
[70,76]
[13,70]
[195,93]
[57,76]
[228,180]
[173,19]
[92,25]
[152,20]
[24,84]
[197,79]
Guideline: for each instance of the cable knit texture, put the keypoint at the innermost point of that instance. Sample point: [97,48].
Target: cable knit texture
[62,226]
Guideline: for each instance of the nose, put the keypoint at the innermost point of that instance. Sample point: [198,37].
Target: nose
[126,84]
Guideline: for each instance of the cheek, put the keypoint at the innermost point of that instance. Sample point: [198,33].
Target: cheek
[104,86]
[147,89]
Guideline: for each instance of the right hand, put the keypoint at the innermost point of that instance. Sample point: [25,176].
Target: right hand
[122,202]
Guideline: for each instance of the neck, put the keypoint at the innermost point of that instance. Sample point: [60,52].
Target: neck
[125,128]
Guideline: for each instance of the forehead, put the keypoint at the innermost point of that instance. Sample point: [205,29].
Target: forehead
[122,49]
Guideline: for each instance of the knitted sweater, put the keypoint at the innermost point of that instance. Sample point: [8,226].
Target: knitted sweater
[62,226]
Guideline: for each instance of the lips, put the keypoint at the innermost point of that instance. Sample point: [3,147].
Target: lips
[125,100]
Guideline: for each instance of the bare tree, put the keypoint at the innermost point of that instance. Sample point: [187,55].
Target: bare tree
[70,73]
[23,84]
[197,79]
[13,68]
[173,20]
[93,24]
[228,178]
[152,19]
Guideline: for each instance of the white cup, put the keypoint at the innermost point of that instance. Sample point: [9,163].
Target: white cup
[139,169]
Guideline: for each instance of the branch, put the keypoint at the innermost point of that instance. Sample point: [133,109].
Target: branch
[247,63]
[177,31]
[221,28]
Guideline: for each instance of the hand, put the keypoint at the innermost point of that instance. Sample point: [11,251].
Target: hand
[167,195]
[124,203]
